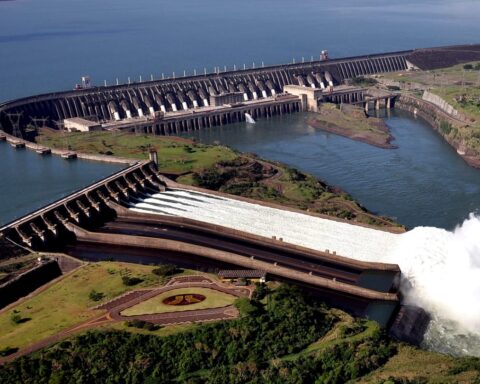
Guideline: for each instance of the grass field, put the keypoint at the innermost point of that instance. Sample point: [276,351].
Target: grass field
[214,299]
[450,84]
[67,302]
[412,363]
[352,122]
[175,154]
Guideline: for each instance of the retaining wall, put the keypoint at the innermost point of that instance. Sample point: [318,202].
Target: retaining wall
[27,282]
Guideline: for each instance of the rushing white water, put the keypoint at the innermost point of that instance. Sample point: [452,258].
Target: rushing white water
[441,269]
[249,118]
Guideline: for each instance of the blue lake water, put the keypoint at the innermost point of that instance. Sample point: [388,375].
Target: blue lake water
[47,45]
[29,181]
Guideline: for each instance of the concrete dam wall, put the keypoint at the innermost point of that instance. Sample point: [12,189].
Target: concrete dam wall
[115,103]
[194,102]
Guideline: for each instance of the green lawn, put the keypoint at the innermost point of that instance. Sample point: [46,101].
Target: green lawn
[214,299]
[175,154]
[67,302]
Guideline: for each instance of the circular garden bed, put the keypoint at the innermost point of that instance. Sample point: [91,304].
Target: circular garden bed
[188,299]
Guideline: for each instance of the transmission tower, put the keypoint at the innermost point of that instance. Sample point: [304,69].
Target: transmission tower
[39,122]
[15,121]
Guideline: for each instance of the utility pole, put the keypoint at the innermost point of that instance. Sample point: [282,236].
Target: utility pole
[39,122]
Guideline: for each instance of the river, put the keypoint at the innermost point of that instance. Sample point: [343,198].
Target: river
[47,45]
[421,183]
[30,181]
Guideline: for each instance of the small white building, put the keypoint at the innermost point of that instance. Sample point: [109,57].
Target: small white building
[77,124]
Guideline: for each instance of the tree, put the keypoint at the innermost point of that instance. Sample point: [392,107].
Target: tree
[165,270]
[96,296]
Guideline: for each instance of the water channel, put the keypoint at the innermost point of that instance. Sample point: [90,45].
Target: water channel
[421,183]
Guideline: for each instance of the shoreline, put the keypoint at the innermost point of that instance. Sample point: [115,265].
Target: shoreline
[65,153]
[434,116]
[337,130]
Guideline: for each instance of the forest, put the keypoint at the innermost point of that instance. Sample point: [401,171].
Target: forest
[264,345]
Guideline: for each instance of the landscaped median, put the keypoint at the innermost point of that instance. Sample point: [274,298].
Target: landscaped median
[182,299]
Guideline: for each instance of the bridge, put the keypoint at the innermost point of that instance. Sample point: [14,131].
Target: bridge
[174,105]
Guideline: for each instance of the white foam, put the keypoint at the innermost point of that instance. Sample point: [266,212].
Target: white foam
[442,268]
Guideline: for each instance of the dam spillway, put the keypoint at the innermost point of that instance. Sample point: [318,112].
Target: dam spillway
[174,105]
[101,218]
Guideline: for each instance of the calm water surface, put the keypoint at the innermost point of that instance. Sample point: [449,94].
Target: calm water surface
[47,45]
[423,182]
[29,181]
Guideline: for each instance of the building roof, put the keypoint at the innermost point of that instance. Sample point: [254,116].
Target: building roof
[79,120]
[241,273]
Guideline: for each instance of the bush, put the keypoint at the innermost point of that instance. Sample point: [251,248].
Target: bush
[364,81]
[261,290]
[211,178]
[96,296]
[129,281]
[245,306]
[468,66]
[445,127]
[465,364]
[393,87]
[7,351]
[166,270]
[16,318]
[140,324]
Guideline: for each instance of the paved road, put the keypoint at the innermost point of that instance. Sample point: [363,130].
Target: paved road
[117,305]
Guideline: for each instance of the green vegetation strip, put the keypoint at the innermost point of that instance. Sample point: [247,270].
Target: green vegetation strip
[214,299]
[175,154]
[220,168]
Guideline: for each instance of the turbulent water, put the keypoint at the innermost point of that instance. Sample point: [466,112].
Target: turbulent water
[442,271]
[249,118]
[441,268]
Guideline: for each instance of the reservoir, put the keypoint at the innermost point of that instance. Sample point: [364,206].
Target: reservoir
[421,183]
[30,181]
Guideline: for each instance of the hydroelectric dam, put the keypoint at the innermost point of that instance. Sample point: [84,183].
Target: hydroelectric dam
[139,215]
[179,104]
